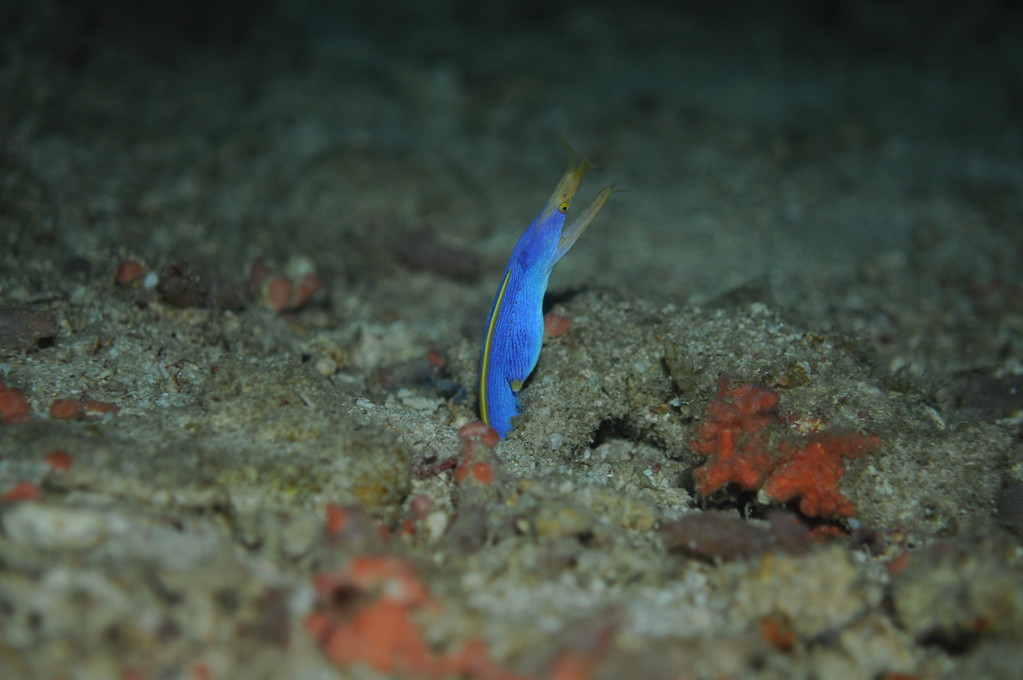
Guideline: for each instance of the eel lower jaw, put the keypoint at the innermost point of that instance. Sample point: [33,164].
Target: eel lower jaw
[570,233]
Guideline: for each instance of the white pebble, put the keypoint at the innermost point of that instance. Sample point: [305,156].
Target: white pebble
[436,522]
[326,366]
[51,528]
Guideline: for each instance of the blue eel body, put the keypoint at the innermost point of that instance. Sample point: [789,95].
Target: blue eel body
[514,330]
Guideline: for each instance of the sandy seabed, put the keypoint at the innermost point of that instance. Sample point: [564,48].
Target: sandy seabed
[246,254]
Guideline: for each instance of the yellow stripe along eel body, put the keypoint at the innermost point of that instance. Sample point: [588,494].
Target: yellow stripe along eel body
[514,330]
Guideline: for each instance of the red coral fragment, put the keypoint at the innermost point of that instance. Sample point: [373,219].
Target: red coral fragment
[367,614]
[732,437]
[571,665]
[478,442]
[129,271]
[307,286]
[282,292]
[14,406]
[58,460]
[94,406]
[278,293]
[812,473]
[65,409]
[336,518]
[555,325]
[22,491]
[777,631]
[382,634]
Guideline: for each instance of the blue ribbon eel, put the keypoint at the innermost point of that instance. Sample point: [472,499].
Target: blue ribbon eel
[514,331]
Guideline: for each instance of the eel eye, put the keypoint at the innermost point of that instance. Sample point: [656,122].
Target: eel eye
[563,207]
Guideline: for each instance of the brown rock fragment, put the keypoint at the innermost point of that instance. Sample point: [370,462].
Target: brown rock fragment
[716,536]
[26,328]
[724,536]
